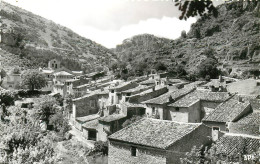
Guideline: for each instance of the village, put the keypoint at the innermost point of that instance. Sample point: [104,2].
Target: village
[155,118]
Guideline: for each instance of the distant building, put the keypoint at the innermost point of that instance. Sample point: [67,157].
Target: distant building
[227,112]
[54,64]
[156,141]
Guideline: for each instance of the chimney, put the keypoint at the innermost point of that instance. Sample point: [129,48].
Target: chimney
[220,78]
[240,99]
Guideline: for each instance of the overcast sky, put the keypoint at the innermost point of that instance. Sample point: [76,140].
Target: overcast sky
[109,22]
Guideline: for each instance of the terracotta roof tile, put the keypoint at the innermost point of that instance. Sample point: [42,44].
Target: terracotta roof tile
[227,111]
[232,145]
[174,95]
[154,132]
[189,99]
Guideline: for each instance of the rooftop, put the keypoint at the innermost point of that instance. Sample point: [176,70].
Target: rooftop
[233,144]
[87,118]
[154,132]
[173,95]
[136,89]
[62,73]
[227,111]
[112,117]
[149,81]
[93,124]
[251,119]
[189,99]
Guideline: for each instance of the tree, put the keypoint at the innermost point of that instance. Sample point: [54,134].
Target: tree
[33,80]
[160,66]
[2,73]
[183,34]
[195,7]
[208,67]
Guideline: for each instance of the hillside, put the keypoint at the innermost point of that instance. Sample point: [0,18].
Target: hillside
[35,40]
[234,36]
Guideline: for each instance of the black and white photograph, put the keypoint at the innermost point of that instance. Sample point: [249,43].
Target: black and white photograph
[129,82]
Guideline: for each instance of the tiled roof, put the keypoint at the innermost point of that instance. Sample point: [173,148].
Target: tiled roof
[92,93]
[252,118]
[194,84]
[149,81]
[235,144]
[189,99]
[255,104]
[127,104]
[87,118]
[169,95]
[112,117]
[154,132]
[93,124]
[227,111]
[136,89]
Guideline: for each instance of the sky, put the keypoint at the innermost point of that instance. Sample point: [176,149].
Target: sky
[109,22]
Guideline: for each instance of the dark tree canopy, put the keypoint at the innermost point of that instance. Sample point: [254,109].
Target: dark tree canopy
[33,79]
[195,8]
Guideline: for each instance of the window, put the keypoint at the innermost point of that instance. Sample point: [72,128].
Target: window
[112,91]
[177,109]
[153,108]
[215,128]
[133,151]
[56,66]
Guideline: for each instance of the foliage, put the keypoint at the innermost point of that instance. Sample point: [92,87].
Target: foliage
[195,7]
[133,119]
[60,123]
[2,73]
[208,67]
[101,146]
[16,70]
[28,93]
[183,34]
[33,79]
[160,67]
[7,97]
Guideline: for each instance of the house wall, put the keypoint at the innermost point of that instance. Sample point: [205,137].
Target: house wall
[221,125]
[119,153]
[147,96]
[103,128]
[158,109]
[85,106]
[207,104]
[195,112]
[181,116]
[199,137]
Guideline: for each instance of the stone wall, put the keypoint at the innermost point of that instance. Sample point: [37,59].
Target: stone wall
[181,116]
[195,112]
[207,104]
[120,153]
[85,106]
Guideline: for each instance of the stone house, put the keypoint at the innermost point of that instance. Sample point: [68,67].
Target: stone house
[54,64]
[147,94]
[12,81]
[110,124]
[115,93]
[155,141]
[194,106]
[133,91]
[229,111]
[156,107]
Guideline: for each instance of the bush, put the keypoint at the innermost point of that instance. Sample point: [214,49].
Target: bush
[101,146]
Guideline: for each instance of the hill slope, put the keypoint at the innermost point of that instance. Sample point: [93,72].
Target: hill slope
[36,40]
[234,36]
